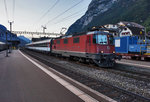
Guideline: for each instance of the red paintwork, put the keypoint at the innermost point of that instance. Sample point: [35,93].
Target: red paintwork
[85,45]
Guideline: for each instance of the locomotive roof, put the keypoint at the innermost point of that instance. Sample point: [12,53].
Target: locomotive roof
[39,42]
[84,33]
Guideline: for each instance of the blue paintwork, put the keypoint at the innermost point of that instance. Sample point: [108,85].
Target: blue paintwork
[137,48]
[130,44]
[10,36]
[123,45]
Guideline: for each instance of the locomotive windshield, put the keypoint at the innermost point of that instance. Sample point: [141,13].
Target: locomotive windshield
[100,39]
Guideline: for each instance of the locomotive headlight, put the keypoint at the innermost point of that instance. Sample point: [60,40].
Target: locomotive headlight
[93,27]
[102,51]
[114,52]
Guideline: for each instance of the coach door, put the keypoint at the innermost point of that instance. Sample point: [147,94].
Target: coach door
[88,44]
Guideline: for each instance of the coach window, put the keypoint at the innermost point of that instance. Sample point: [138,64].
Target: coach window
[94,39]
[58,41]
[45,44]
[40,45]
[89,39]
[65,41]
[76,40]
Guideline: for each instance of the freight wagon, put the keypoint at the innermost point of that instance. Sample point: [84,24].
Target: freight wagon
[131,47]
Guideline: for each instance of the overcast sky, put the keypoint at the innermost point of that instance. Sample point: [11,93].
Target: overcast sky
[29,15]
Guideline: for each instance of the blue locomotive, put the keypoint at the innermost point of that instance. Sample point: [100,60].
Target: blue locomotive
[130,39]
[130,44]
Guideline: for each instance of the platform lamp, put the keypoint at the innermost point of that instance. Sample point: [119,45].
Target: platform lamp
[10,22]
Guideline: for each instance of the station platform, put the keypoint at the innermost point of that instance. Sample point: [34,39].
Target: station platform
[137,63]
[24,79]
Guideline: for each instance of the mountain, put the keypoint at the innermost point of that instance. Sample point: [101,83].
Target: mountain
[102,12]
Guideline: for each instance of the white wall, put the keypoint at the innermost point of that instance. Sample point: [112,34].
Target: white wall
[126,32]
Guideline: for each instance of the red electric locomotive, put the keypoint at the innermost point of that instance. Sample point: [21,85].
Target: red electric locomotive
[95,47]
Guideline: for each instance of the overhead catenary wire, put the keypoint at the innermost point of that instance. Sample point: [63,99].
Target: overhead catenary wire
[13,9]
[64,12]
[48,11]
[70,16]
[67,20]
[6,10]
[51,7]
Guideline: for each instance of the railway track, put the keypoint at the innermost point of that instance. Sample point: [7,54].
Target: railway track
[117,93]
[131,72]
[125,70]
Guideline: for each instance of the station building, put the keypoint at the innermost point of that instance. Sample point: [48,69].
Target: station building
[124,28]
[12,39]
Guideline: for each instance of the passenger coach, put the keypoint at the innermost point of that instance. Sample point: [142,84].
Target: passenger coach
[41,46]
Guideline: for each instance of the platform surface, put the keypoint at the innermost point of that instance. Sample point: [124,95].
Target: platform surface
[22,81]
[138,63]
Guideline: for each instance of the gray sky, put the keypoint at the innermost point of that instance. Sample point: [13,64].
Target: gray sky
[29,15]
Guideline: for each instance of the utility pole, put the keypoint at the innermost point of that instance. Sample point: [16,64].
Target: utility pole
[32,35]
[44,27]
[6,46]
[10,22]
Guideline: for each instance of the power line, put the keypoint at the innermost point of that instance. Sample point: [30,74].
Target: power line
[70,16]
[48,11]
[6,9]
[13,9]
[64,12]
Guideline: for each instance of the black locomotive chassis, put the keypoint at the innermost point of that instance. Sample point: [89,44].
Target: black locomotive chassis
[100,59]
[106,60]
